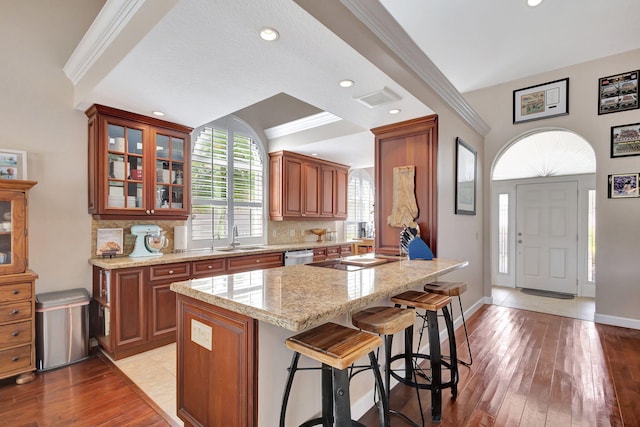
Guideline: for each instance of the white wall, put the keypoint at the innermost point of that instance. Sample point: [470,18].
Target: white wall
[36,115]
[617,290]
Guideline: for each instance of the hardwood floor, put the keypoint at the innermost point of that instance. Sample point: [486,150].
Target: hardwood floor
[530,369]
[88,393]
[536,369]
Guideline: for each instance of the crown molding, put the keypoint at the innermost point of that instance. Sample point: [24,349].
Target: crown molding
[379,21]
[111,20]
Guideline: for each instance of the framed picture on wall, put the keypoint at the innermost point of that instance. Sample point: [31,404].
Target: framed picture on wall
[618,92]
[13,164]
[623,185]
[466,174]
[625,140]
[542,101]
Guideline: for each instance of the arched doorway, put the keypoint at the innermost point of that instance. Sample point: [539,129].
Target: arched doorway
[543,217]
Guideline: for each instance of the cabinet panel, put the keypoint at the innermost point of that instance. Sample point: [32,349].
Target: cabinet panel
[173,272]
[293,187]
[327,198]
[15,334]
[137,166]
[209,267]
[346,250]
[333,252]
[254,262]
[129,322]
[319,254]
[162,312]
[217,386]
[16,360]
[15,311]
[340,202]
[15,292]
[414,142]
[311,182]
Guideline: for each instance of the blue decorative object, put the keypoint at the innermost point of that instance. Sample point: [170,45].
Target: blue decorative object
[418,249]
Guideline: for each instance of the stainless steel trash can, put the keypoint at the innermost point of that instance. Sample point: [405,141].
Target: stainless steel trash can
[62,328]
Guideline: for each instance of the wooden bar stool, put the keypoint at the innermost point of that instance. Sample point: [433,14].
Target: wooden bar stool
[453,289]
[431,303]
[337,347]
[387,321]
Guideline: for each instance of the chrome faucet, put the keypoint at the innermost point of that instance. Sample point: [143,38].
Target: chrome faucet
[234,237]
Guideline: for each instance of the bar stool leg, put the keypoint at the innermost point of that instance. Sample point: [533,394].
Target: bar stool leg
[466,335]
[453,352]
[287,390]
[384,408]
[341,399]
[436,363]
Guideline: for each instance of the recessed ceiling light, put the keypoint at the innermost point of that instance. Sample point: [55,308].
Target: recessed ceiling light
[158,113]
[269,34]
[346,83]
[394,111]
[533,3]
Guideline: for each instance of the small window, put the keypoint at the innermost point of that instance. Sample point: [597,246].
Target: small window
[503,233]
[360,205]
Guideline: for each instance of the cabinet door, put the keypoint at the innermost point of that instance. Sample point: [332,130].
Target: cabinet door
[327,188]
[311,206]
[122,166]
[162,312]
[217,369]
[128,308]
[170,172]
[13,244]
[342,182]
[293,187]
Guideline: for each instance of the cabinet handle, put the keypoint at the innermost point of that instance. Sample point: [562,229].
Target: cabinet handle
[170,271]
[15,333]
[16,291]
[152,211]
[209,267]
[15,358]
[257,260]
[148,212]
[15,311]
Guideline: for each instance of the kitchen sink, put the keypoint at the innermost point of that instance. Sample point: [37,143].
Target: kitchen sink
[351,263]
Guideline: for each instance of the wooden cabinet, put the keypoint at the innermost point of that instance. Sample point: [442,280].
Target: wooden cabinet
[415,143]
[17,284]
[303,187]
[134,309]
[319,254]
[333,252]
[217,368]
[139,166]
[346,250]
[254,262]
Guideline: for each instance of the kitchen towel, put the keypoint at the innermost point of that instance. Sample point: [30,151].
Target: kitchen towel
[180,238]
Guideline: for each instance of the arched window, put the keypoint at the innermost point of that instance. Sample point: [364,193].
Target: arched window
[227,183]
[360,205]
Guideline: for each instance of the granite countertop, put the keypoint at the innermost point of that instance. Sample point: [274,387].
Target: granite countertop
[195,255]
[298,297]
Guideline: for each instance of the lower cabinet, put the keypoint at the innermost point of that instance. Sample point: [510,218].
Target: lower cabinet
[134,309]
[217,353]
[17,326]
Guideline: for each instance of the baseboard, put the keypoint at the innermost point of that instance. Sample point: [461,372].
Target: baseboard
[623,322]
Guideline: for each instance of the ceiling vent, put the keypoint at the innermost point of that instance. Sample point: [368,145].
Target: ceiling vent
[378,98]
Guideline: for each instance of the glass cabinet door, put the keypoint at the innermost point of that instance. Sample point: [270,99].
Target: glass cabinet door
[125,175]
[169,176]
[12,232]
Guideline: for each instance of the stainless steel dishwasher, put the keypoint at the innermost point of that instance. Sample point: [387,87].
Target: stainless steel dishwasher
[298,257]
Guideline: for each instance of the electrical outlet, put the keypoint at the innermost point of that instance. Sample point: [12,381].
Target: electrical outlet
[201,334]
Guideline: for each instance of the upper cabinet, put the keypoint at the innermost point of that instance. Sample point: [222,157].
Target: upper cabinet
[13,226]
[304,187]
[139,166]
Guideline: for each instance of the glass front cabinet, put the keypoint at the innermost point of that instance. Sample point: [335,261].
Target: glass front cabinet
[138,166]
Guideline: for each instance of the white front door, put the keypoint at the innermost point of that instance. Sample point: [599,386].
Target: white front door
[547,236]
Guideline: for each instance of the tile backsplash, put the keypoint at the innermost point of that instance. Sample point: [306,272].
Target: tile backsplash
[283,232]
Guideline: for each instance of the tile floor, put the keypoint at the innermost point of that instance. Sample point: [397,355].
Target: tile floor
[578,307]
[155,371]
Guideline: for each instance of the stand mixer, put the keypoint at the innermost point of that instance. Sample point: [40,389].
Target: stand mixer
[149,240]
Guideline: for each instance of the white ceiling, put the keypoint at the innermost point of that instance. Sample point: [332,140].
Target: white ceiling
[199,60]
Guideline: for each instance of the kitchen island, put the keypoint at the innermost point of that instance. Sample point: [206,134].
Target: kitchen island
[232,328]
